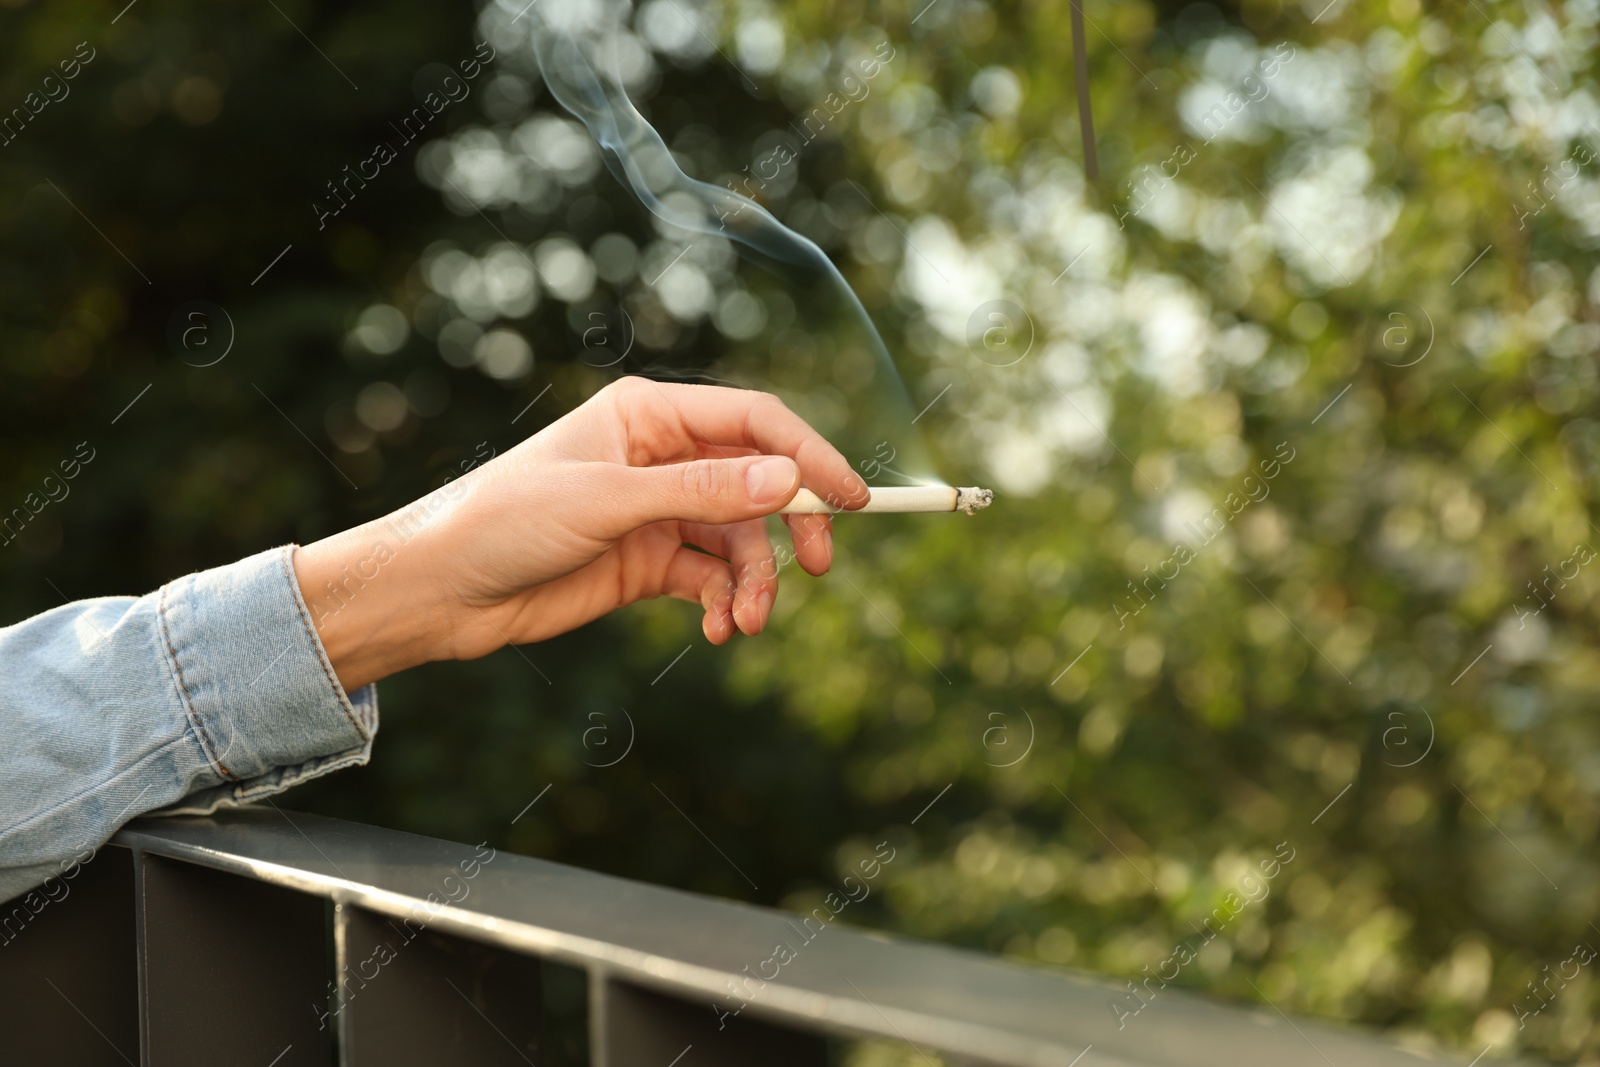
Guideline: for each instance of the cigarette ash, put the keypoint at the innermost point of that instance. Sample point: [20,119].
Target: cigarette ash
[970,499]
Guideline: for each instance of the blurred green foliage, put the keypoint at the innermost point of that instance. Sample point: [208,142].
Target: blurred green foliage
[1376,258]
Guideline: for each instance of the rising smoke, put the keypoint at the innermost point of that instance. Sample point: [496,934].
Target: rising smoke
[575,45]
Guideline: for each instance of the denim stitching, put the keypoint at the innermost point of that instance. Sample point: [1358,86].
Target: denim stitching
[327,668]
[188,699]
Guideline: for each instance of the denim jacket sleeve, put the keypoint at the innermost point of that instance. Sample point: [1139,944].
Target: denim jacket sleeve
[213,690]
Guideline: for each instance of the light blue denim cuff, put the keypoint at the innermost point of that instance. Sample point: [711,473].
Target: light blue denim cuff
[261,698]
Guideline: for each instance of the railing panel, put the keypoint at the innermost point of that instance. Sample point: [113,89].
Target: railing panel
[230,966]
[808,974]
[566,1015]
[409,995]
[68,983]
[638,1026]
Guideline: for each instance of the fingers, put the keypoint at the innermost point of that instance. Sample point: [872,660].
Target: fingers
[707,581]
[667,420]
[813,541]
[713,491]
[748,550]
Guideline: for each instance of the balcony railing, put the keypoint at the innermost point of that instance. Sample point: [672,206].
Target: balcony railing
[272,939]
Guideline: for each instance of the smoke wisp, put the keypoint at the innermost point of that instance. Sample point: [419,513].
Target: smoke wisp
[574,43]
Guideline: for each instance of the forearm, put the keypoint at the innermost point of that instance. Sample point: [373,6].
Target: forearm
[211,690]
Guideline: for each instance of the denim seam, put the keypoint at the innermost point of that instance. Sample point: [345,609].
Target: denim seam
[252,789]
[316,643]
[255,789]
[183,685]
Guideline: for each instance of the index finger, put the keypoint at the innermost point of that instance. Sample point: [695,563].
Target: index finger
[662,418]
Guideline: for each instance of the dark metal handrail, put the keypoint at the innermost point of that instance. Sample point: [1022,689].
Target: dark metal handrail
[261,933]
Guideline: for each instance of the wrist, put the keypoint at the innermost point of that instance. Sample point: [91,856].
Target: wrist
[373,614]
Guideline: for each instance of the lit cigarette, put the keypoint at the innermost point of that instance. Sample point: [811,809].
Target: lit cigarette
[899,498]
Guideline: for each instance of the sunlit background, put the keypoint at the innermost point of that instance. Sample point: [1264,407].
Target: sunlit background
[1291,413]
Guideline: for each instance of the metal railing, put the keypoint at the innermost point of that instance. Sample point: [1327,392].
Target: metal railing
[279,939]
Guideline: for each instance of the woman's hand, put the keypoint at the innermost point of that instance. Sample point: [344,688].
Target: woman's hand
[593,513]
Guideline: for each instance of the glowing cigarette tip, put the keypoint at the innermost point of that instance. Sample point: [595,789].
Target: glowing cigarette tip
[899,498]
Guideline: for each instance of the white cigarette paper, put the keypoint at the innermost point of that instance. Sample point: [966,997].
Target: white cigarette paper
[898,498]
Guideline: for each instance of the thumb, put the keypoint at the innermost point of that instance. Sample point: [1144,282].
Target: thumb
[708,490]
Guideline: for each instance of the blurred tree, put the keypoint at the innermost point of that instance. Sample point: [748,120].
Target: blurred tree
[1287,592]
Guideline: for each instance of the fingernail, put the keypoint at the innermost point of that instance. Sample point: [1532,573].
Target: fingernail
[827,541]
[768,479]
[856,488]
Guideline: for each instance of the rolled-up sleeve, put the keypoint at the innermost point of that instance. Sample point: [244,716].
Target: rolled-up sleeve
[213,690]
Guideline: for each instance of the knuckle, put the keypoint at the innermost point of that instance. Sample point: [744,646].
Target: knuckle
[628,388]
[705,478]
[770,402]
[767,409]
[758,576]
